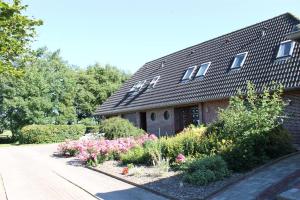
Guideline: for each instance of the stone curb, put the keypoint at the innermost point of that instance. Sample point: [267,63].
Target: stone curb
[2,189]
[254,171]
[134,184]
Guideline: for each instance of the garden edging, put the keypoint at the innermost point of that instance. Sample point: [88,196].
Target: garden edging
[132,183]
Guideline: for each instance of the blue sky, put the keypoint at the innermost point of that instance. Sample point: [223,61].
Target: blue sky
[129,33]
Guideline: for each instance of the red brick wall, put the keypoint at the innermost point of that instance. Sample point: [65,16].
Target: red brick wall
[292,123]
[132,117]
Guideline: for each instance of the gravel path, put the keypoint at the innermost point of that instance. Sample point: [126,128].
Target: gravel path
[32,173]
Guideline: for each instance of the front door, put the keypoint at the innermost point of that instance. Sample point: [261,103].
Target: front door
[185,116]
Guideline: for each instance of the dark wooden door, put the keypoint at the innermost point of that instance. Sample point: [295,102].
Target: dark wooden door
[185,116]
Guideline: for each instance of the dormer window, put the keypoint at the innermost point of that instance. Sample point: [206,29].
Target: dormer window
[189,73]
[285,49]
[154,81]
[239,60]
[203,69]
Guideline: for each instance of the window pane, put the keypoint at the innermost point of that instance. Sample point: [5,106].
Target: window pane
[202,69]
[239,60]
[188,73]
[285,49]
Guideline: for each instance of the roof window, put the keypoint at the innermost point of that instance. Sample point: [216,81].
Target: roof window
[239,60]
[189,73]
[154,81]
[138,86]
[285,49]
[203,69]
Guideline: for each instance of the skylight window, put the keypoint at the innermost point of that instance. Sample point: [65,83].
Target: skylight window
[285,49]
[138,86]
[203,69]
[189,73]
[239,60]
[154,81]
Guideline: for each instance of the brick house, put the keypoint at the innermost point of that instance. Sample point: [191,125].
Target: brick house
[188,86]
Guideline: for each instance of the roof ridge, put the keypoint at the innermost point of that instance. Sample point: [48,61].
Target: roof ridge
[226,34]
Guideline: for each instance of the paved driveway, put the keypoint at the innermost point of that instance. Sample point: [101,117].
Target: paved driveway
[32,173]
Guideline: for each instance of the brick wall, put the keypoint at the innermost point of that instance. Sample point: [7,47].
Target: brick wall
[292,123]
[210,109]
[166,127]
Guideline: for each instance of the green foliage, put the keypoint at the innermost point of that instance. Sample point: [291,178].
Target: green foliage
[188,142]
[203,171]
[117,127]
[249,132]
[136,155]
[43,95]
[34,134]
[88,122]
[255,150]
[251,114]
[17,31]
[94,86]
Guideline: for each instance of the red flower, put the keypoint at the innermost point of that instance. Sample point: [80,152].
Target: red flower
[125,171]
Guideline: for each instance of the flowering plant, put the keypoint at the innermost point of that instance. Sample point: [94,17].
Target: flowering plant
[125,170]
[180,158]
[94,151]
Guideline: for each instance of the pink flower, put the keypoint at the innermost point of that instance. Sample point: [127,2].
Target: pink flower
[180,158]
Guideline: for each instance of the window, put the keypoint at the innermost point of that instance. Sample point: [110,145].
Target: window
[153,116]
[138,86]
[285,49]
[239,60]
[154,81]
[166,115]
[189,73]
[203,69]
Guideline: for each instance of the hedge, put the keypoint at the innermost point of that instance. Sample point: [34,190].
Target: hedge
[36,134]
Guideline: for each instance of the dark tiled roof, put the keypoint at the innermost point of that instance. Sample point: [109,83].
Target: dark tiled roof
[260,67]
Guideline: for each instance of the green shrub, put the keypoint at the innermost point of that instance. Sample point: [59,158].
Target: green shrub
[88,122]
[255,150]
[92,129]
[136,155]
[117,127]
[187,142]
[34,134]
[248,132]
[203,171]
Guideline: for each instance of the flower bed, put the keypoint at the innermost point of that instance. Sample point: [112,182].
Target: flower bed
[93,152]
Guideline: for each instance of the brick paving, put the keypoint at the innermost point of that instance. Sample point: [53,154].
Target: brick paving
[251,187]
[32,173]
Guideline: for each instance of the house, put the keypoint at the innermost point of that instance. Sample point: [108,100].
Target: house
[188,86]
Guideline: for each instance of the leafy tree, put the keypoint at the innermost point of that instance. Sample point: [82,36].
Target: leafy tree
[94,86]
[16,32]
[43,95]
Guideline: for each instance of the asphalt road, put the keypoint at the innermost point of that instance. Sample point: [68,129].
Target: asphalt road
[32,173]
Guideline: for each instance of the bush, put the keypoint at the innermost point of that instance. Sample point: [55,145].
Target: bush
[255,150]
[136,155]
[249,132]
[205,170]
[187,143]
[92,129]
[117,127]
[34,134]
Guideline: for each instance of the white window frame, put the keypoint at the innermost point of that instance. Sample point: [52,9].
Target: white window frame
[154,81]
[281,46]
[235,60]
[138,86]
[190,77]
[207,63]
